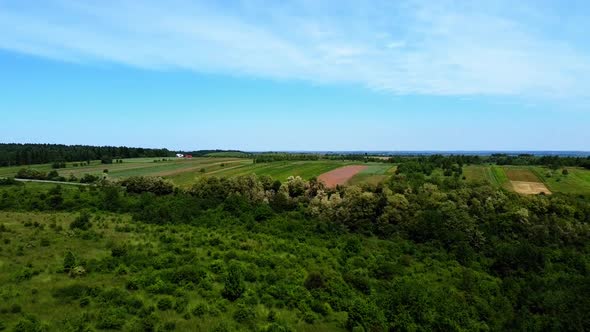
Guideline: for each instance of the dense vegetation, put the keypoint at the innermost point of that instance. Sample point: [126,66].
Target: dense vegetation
[421,251]
[29,154]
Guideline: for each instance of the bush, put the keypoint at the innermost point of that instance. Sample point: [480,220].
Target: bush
[165,303]
[15,309]
[58,164]
[72,292]
[28,173]
[69,261]
[315,280]
[89,178]
[112,318]
[141,184]
[7,182]
[244,314]
[234,283]
[82,222]
[199,310]
[119,251]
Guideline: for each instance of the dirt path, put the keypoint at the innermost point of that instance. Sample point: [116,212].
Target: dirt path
[340,175]
[530,188]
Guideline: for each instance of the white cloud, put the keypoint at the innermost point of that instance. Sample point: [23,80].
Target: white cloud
[404,47]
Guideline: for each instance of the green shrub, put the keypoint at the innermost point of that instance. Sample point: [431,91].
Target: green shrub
[82,221]
[244,314]
[315,280]
[69,261]
[15,309]
[165,303]
[111,319]
[199,310]
[234,283]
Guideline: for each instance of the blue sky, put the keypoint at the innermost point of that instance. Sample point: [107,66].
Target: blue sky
[297,75]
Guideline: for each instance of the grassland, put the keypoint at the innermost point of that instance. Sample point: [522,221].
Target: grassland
[576,182]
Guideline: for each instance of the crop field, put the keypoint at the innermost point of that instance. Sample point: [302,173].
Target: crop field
[492,174]
[373,174]
[129,167]
[521,174]
[184,172]
[532,179]
[281,170]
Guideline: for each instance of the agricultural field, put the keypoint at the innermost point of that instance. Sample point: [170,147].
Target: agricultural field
[492,174]
[532,179]
[184,172]
[375,173]
[129,167]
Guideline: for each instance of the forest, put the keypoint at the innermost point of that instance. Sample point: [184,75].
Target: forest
[29,154]
[419,252]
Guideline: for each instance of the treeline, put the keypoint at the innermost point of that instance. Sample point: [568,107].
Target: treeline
[501,261]
[549,161]
[29,154]
[280,156]
[202,153]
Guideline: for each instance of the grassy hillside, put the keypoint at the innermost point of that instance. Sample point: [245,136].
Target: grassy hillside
[192,261]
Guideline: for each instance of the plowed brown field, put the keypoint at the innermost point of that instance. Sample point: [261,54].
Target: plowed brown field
[340,175]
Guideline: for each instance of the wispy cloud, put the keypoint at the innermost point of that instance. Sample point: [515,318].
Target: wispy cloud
[405,47]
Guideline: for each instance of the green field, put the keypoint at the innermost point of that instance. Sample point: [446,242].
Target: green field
[576,182]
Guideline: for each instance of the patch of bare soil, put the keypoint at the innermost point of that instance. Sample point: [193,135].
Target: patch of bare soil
[340,175]
[530,188]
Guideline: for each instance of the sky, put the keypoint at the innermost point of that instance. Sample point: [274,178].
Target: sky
[297,74]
